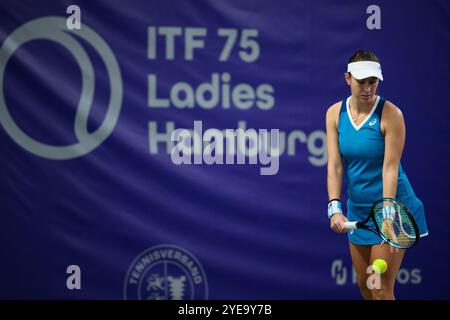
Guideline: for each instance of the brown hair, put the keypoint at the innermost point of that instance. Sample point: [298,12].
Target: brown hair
[362,55]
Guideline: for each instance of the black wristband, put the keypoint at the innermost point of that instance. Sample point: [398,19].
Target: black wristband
[334,200]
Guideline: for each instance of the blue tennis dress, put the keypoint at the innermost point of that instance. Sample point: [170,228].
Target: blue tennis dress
[362,150]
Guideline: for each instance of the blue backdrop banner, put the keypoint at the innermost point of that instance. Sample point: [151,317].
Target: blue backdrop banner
[103,195]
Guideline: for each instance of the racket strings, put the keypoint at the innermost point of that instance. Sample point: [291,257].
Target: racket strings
[399,229]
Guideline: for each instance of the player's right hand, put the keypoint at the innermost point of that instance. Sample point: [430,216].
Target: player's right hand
[337,223]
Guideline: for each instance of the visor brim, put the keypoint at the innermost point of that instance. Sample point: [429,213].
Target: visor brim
[363,74]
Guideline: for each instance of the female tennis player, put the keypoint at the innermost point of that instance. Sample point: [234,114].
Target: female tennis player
[365,139]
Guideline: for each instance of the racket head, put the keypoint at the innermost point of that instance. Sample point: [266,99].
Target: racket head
[401,230]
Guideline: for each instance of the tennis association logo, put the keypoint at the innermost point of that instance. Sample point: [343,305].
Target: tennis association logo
[54,29]
[165,272]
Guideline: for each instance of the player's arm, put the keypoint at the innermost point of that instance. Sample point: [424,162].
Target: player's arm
[395,132]
[334,167]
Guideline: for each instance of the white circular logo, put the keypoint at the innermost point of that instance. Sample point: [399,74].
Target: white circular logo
[54,28]
[165,272]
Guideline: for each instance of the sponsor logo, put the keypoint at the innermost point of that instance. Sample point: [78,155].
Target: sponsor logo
[165,272]
[54,29]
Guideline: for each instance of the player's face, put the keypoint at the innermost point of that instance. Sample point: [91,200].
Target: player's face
[363,89]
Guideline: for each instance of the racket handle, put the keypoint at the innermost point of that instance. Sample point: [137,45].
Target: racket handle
[351,225]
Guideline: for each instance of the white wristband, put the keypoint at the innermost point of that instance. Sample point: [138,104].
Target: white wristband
[334,206]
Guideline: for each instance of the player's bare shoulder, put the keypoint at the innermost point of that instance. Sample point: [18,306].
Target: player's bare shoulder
[333,112]
[392,117]
[391,112]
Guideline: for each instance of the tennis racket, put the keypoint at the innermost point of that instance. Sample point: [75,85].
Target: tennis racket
[392,222]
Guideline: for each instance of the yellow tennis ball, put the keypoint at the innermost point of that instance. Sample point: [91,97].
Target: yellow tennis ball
[379,265]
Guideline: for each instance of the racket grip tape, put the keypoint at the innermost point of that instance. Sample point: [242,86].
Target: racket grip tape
[351,225]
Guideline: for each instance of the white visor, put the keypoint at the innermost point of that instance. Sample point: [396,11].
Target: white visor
[365,69]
